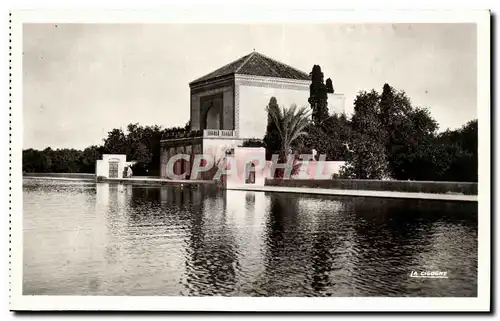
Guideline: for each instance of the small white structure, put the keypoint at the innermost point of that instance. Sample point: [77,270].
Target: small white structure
[111,166]
[245,166]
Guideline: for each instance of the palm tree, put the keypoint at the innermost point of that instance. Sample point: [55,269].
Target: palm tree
[291,123]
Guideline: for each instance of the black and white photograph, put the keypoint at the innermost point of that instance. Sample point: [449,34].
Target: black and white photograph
[157,162]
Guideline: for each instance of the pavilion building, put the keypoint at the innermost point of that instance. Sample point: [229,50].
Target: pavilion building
[228,106]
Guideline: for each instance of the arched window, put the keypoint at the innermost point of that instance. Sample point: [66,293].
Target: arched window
[212,119]
[211,110]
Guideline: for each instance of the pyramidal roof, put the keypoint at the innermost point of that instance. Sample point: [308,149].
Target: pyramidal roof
[256,64]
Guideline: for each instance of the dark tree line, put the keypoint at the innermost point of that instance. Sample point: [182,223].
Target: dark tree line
[139,143]
[61,160]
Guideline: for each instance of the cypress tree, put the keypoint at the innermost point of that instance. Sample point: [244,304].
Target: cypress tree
[329,86]
[318,95]
[272,139]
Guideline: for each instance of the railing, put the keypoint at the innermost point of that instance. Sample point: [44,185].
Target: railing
[218,133]
[181,134]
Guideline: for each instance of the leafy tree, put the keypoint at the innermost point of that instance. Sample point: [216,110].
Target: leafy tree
[465,137]
[462,148]
[404,132]
[327,138]
[408,135]
[337,130]
[36,161]
[315,139]
[411,147]
[137,138]
[366,152]
[89,157]
[116,142]
[427,161]
[142,156]
[387,124]
[366,158]
[366,119]
[65,160]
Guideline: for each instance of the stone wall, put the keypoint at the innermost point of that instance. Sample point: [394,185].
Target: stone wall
[181,146]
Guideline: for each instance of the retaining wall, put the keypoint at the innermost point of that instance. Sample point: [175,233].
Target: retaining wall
[465,188]
[64,175]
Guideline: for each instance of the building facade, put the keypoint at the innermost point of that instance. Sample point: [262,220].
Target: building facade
[228,106]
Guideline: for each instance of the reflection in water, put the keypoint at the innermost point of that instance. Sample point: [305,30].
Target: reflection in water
[101,239]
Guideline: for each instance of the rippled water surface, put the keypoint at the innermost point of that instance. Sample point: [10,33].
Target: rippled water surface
[87,239]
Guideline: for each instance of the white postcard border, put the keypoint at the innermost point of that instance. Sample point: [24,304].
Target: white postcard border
[24,302]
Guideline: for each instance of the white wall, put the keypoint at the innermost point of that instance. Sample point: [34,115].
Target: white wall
[101,168]
[240,158]
[216,147]
[253,102]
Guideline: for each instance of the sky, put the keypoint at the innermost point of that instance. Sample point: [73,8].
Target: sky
[82,80]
